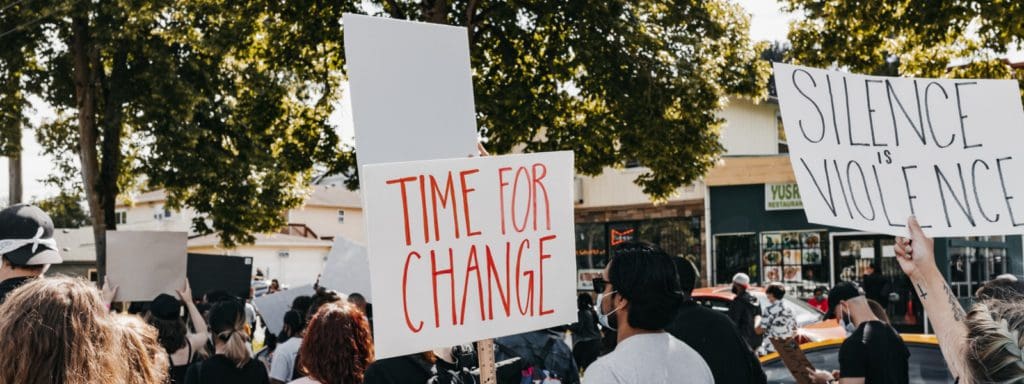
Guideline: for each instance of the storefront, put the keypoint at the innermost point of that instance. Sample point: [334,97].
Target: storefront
[761,229]
[674,228]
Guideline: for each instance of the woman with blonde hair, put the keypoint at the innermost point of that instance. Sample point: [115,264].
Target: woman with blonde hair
[232,361]
[337,348]
[983,346]
[58,330]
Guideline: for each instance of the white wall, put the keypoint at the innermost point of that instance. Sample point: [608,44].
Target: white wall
[301,266]
[141,218]
[615,187]
[324,221]
[749,129]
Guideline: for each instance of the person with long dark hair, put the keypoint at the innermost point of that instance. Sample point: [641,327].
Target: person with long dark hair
[232,361]
[181,345]
[586,337]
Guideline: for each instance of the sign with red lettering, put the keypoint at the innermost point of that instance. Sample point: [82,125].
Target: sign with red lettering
[870,151]
[469,249]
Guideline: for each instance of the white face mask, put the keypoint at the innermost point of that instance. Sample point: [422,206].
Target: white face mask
[603,317]
[847,324]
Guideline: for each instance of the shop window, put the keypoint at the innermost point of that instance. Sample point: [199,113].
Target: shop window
[973,261]
[591,246]
[595,242]
[796,259]
[735,253]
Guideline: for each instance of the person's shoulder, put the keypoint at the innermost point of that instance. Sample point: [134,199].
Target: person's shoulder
[601,371]
[304,380]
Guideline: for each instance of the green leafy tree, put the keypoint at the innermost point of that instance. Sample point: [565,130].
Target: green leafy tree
[65,209]
[957,38]
[225,104]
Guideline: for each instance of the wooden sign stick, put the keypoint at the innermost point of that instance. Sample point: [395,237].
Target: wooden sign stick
[485,355]
[485,348]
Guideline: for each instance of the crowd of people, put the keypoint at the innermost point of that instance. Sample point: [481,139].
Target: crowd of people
[643,327]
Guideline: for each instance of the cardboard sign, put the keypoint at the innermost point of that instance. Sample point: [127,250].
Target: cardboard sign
[794,359]
[273,306]
[208,273]
[347,269]
[411,89]
[869,151]
[144,264]
[468,249]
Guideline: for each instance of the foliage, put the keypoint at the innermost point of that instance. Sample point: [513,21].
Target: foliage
[958,38]
[65,209]
[225,104]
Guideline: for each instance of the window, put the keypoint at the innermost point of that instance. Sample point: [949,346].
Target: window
[121,217]
[973,261]
[167,212]
[783,145]
[632,163]
[736,253]
[341,216]
[283,254]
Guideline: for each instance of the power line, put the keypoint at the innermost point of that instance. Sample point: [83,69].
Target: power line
[8,6]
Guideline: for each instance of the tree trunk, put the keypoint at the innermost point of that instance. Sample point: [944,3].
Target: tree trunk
[14,179]
[86,85]
[113,120]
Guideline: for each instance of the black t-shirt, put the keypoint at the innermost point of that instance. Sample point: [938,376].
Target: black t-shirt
[9,285]
[876,353]
[715,338]
[399,370]
[220,370]
[742,311]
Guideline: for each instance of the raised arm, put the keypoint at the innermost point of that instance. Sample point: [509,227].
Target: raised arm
[917,258]
[193,313]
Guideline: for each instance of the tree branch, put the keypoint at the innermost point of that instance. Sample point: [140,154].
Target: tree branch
[395,11]
[470,22]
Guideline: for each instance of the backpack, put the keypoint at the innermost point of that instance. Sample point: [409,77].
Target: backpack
[530,373]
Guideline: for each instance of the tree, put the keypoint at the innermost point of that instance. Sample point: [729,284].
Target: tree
[225,104]
[65,209]
[958,38]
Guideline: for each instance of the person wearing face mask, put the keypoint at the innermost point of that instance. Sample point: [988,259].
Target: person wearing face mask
[818,300]
[873,351]
[745,311]
[641,297]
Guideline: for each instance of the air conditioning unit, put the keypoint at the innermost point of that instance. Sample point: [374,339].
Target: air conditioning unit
[577,190]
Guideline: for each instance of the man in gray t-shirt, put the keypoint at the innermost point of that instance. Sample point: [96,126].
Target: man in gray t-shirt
[640,297]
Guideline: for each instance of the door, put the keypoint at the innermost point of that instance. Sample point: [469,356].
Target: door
[854,255]
[973,261]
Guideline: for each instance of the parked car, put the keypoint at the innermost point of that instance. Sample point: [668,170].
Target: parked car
[810,326]
[926,363]
[259,287]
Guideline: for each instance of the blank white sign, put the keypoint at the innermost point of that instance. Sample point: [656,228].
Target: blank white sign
[144,264]
[411,89]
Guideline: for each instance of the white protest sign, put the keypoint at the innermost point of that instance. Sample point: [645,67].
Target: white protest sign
[347,269]
[273,306]
[469,249]
[870,151]
[411,89]
[144,264]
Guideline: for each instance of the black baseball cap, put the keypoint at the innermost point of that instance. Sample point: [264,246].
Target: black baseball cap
[841,292]
[165,307]
[26,236]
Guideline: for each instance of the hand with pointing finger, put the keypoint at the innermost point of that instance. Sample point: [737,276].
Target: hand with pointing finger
[916,253]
